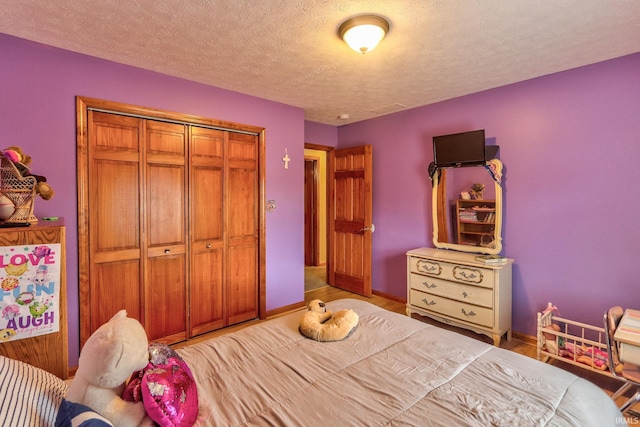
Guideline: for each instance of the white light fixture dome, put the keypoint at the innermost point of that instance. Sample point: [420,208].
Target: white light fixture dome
[363,33]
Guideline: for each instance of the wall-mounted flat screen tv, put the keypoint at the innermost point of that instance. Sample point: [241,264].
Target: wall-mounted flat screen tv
[459,149]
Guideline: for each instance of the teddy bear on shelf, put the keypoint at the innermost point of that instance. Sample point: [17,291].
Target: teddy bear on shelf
[477,192]
[321,325]
[22,162]
[109,357]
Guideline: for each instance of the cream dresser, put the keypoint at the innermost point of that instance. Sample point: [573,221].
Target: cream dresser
[452,287]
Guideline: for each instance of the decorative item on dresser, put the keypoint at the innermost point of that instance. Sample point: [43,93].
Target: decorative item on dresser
[455,288]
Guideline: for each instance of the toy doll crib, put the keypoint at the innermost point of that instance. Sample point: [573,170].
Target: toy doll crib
[575,343]
[21,190]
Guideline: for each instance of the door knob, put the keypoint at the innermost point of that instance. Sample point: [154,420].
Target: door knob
[372,228]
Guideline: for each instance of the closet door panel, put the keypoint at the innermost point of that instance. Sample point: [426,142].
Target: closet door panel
[165,299]
[115,275]
[111,133]
[166,205]
[207,298]
[243,147]
[242,228]
[116,196]
[115,286]
[207,230]
[207,204]
[207,260]
[165,139]
[206,145]
[242,203]
[242,284]
[166,183]
[165,259]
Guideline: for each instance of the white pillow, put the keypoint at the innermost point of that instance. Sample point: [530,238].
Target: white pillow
[29,396]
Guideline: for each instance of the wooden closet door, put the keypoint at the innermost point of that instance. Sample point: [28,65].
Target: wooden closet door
[166,232]
[115,263]
[242,197]
[169,220]
[207,230]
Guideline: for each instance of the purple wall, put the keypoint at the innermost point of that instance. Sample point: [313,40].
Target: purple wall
[38,85]
[320,134]
[570,143]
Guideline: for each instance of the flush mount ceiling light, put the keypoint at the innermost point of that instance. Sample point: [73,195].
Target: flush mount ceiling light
[363,33]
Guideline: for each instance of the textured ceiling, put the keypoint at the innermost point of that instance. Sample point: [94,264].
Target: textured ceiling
[289,51]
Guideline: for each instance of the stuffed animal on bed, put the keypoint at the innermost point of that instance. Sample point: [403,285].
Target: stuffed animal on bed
[109,357]
[321,325]
[166,387]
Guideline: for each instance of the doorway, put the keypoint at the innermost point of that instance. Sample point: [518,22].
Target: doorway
[344,223]
[315,216]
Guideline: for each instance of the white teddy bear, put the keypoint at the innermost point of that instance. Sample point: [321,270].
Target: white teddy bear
[111,354]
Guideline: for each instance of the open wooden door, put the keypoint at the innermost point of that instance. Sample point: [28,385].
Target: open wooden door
[310,211]
[350,219]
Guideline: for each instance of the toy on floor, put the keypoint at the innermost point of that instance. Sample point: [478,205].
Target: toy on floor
[321,325]
[109,357]
[557,345]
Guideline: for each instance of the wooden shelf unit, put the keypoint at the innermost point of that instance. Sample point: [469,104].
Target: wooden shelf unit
[475,221]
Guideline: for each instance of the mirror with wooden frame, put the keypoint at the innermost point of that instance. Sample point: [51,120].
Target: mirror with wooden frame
[463,219]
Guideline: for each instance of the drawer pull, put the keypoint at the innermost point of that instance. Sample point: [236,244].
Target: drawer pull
[430,286]
[208,246]
[424,266]
[166,251]
[466,274]
[471,313]
[464,294]
[424,300]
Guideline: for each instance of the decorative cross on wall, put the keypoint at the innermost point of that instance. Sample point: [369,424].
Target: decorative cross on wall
[286,159]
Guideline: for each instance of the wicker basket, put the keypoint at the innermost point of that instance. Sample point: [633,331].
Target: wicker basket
[21,190]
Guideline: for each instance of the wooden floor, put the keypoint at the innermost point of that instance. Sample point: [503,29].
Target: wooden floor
[525,347]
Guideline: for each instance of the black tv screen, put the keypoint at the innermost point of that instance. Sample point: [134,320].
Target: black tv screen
[459,149]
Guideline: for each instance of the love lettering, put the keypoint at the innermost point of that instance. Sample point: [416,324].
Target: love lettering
[19,259]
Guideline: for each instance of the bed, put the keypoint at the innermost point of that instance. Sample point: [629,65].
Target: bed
[393,370]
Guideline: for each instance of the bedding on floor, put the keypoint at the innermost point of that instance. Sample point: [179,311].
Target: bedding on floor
[391,371]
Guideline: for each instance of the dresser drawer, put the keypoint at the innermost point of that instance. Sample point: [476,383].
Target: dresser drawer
[466,293]
[456,309]
[456,272]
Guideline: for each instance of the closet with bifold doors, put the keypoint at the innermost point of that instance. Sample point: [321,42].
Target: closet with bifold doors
[170,224]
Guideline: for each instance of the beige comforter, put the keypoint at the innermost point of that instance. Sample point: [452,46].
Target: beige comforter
[393,370]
